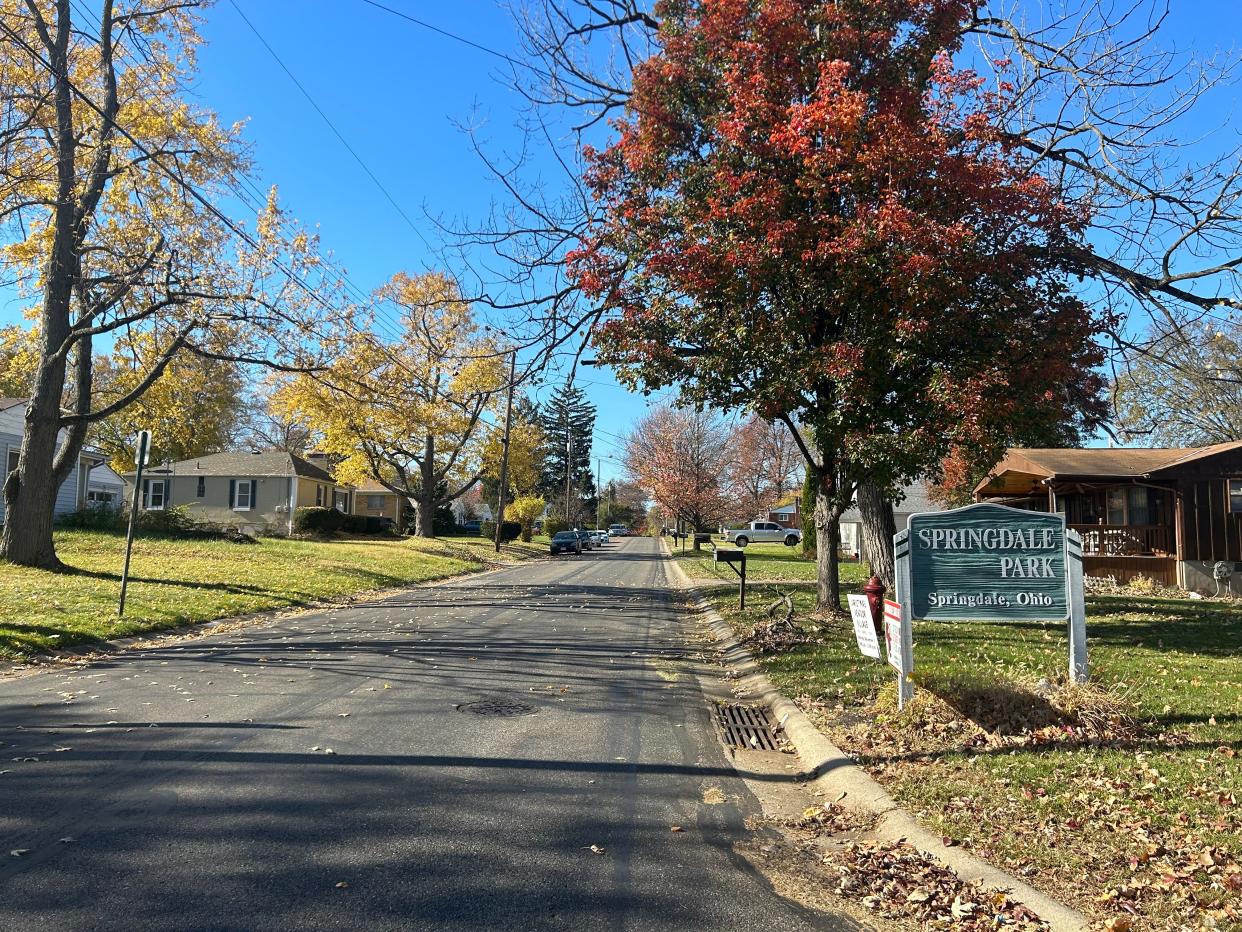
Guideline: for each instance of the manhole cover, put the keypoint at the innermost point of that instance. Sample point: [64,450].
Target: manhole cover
[502,707]
[746,727]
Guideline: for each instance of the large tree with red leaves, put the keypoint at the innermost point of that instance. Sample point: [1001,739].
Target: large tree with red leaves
[810,212]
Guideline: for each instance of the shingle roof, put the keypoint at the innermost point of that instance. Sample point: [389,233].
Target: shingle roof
[6,403]
[1105,461]
[915,501]
[247,465]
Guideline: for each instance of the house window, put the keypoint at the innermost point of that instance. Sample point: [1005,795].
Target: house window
[14,456]
[1235,496]
[202,486]
[318,496]
[243,495]
[340,501]
[375,503]
[153,494]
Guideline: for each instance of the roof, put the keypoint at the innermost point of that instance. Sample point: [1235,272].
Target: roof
[1028,465]
[6,403]
[275,463]
[371,487]
[914,501]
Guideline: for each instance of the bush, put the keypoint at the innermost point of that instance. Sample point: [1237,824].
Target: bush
[175,520]
[319,521]
[554,526]
[509,530]
[96,518]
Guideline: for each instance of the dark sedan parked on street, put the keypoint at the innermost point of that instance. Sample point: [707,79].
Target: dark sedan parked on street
[566,542]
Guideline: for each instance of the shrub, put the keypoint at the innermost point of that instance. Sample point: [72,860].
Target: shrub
[96,518]
[553,526]
[509,530]
[175,520]
[317,520]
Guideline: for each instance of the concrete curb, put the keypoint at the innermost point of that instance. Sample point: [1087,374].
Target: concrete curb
[837,777]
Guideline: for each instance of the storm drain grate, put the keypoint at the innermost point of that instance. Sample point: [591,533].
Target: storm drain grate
[501,707]
[746,727]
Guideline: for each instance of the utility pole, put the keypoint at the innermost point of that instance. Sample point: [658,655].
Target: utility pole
[599,492]
[569,469]
[504,448]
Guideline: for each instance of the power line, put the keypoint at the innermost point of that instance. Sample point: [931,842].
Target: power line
[332,126]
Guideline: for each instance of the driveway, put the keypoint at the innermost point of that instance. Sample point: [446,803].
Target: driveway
[510,751]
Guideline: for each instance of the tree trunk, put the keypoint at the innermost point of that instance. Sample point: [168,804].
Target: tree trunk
[425,512]
[30,496]
[878,529]
[827,541]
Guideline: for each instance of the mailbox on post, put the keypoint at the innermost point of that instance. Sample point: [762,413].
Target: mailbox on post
[736,558]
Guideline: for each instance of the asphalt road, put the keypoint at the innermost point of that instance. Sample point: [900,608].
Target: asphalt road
[324,772]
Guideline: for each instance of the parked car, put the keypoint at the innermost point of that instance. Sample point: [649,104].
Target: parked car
[565,542]
[588,542]
[618,530]
[472,527]
[601,537]
[763,532]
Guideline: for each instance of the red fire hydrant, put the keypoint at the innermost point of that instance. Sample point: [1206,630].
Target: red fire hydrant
[875,590]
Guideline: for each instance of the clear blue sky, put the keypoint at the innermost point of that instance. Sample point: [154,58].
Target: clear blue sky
[398,93]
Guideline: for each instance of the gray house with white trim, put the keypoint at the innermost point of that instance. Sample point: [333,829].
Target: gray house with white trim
[72,493]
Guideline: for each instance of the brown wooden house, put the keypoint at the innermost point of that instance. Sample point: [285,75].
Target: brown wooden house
[1170,514]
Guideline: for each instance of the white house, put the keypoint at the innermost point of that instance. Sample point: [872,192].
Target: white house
[104,488]
[72,494]
[914,502]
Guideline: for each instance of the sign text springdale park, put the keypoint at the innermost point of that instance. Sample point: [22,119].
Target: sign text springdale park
[990,563]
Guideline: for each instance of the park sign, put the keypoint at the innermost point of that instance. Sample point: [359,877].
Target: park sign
[988,563]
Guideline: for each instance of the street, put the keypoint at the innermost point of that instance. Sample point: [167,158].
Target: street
[510,751]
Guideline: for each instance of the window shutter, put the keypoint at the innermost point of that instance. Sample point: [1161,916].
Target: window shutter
[146,487]
[232,493]
[254,487]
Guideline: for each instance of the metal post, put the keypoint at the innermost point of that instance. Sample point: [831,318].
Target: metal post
[741,593]
[905,596]
[144,447]
[1078,667]
[504,450]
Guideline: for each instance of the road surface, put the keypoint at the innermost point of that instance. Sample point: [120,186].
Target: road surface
[442,758]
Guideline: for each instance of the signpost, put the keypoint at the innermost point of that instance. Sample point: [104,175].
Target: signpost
[142,453]
[864,628]
[993,563]
[899,646]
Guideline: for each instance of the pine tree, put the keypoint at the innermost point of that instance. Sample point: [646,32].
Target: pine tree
[568,421]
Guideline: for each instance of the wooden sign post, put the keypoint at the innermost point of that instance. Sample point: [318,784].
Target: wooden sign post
[994,563]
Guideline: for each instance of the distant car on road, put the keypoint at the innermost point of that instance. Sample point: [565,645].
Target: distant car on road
[565,542]
[601,537]
[588,542]
[618,530]
[763,532]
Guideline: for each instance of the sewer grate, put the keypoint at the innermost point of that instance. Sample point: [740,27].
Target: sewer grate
[501,707]
[747,727]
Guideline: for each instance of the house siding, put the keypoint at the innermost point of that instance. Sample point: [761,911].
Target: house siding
[68,496]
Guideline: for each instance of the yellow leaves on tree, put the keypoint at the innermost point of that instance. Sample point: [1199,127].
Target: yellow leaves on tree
[526,510]
[526,441]
[409,413]
[192,409]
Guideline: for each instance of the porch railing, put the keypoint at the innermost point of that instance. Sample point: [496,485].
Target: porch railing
[1129,540]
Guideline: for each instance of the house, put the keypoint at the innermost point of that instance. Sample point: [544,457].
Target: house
[1168,514]
[104,488]
[71,496]
[787,512]
[258,491]
[372,499]
[914,501]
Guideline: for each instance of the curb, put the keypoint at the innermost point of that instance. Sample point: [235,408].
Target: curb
[834,775]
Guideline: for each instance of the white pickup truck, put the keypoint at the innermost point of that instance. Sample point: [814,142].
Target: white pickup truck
[763,532]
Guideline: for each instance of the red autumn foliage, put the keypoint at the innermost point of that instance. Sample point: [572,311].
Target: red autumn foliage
[808,211]
[679,457]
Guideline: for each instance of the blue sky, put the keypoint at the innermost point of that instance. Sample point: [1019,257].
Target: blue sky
[399,94]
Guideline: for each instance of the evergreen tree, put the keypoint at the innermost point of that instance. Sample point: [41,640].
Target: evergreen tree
[568,421]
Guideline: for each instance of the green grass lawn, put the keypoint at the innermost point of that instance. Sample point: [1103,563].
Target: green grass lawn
[764,563]
[1121,798]
[176,581]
